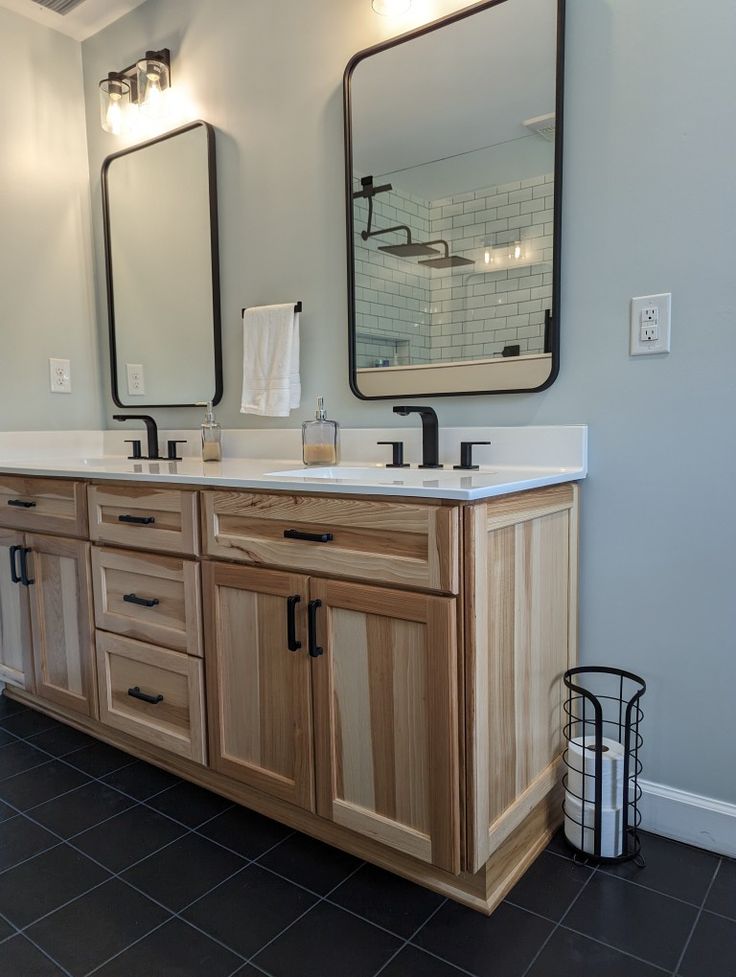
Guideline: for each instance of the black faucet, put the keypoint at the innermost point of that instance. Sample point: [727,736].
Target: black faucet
[430,434]
[151,429]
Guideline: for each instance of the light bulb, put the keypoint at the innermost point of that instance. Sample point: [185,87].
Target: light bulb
[391,8]
[517,252]
[154,100]
[488,257]
[114,116]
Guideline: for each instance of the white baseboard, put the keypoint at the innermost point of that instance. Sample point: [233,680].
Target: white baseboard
[691,818]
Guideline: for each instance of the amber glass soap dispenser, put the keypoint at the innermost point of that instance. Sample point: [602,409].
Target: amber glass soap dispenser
[320,438]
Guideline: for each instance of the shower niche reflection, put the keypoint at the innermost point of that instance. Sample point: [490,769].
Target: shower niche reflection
[454,153]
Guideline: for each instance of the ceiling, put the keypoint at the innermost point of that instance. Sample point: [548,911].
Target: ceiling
[81,22]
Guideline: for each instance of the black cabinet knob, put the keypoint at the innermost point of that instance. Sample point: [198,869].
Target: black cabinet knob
[466,456]
[398,453]
[136,449]
[171,454]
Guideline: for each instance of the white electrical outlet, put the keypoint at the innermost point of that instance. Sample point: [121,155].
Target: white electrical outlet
[651,324]
[136,380]
[60,376]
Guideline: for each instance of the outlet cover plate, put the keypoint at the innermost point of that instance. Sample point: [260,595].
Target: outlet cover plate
[136,380]
[60,376]
[651,315]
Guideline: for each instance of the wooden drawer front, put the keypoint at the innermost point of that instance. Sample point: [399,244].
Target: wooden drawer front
[43,505]
[126,586]
[176,721]
[144,517]
[410,545]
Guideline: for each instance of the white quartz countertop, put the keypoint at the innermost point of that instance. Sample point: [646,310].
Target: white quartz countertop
[520,459]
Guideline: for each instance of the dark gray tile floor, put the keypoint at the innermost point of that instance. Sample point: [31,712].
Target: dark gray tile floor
[111,867]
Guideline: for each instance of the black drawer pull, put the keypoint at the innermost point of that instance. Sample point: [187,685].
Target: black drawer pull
[291,603]
[14,550]
[24,578]
[308,537]
[312,607]
[20,504]
[140,601]
[138,520]
[144,697]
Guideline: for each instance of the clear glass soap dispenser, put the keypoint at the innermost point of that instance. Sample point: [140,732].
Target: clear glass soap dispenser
[211,435]
[320,438]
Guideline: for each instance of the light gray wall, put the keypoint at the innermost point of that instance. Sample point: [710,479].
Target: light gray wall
[46,287]
[649,207]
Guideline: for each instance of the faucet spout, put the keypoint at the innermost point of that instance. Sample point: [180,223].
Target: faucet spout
[151,431]
[430,434]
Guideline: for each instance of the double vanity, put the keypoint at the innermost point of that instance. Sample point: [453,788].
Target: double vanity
[372,656]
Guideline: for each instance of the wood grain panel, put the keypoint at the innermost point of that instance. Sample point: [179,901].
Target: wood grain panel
[386,724]
[520,616]
[259,692]
[175,622]
[62,626]
[176,723]
[56,505]
[175,513]
[403,544]
[16,644]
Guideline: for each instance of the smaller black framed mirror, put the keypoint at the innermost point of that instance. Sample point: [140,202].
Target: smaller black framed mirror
[162,270]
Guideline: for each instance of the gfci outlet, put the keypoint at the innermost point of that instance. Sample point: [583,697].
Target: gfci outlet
[651,325]
[60,376]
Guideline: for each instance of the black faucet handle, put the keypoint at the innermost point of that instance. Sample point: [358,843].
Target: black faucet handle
[398,453]
[466,456]
[171,450]
[136,449]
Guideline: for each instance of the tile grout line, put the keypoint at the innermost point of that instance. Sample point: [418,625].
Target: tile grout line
[314,905]
[408,942]
[697,920]
[33,943]
[559,923]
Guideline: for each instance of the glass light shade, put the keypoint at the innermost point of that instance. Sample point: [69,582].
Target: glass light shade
[114,104]
[391,8]
[154,80]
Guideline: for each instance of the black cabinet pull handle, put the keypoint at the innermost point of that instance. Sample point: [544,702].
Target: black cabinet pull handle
[308,537]
[21,504]
[140,601]
[291,603]
[24,579]
[14,550]
[312,607]
[136,693]
[138,520]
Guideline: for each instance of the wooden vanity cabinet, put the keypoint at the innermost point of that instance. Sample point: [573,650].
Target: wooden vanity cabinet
[16,645]
[61,619]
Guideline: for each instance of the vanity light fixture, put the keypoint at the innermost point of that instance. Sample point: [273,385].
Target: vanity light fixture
[391,8]
[141,85]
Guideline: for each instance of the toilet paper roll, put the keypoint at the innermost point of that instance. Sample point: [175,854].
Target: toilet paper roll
[580,827]
[581,757]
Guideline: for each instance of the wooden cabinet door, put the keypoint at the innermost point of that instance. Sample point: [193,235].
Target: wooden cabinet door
[16,654]
[61,617]
[258,691]
[385,714]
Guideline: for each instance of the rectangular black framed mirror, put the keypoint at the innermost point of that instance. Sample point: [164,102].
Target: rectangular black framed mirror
[453,149]
[162,270]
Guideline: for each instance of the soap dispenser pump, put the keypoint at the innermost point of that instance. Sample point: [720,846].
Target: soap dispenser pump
[211,434]
[320,438]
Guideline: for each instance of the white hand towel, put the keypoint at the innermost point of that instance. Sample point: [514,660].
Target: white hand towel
[271,381]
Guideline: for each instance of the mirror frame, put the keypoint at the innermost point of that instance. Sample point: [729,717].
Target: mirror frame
[214,250]
[552,342]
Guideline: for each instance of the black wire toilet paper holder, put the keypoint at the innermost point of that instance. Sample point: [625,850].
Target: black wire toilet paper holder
[612,711]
